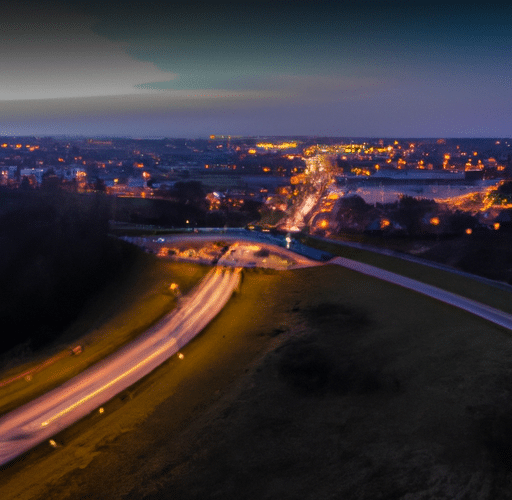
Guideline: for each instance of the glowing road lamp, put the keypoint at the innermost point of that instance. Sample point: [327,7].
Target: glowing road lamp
[146,176]
[435,222]
[288,240]
[175,288]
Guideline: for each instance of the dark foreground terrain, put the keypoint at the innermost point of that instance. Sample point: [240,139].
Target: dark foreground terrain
[313,383]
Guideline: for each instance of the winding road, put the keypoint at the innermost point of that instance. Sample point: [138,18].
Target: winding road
[496,316]
[38,420]
[32,423]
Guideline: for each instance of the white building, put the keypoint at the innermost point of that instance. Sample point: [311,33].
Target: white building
[37,173]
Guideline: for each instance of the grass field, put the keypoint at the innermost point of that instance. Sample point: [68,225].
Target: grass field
[445,280]
[312,383]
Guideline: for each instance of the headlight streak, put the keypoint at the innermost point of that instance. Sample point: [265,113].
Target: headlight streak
[39,419]
[189,320]
[110,384]
[154,336]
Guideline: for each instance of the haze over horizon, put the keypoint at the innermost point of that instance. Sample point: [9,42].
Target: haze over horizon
[190,69]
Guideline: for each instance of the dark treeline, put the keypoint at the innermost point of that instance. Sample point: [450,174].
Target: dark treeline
[184,205]
[55,253]
[452,237]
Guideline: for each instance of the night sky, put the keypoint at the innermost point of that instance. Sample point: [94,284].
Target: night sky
[191,69]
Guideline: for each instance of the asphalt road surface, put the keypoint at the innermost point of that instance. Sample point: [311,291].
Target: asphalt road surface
[489,313]
[45,416]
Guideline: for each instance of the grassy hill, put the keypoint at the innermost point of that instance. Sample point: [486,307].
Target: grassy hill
[125,307]
[312,383]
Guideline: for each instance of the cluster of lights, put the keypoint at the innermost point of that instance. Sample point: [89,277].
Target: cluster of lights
[354,149]
[360,171]
[270,145]
[20,146]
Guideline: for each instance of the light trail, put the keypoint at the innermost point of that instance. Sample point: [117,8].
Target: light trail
[108,385]
[318,176]
[43,417]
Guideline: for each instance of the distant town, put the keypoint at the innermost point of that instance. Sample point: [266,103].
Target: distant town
[326,185]
[217,287]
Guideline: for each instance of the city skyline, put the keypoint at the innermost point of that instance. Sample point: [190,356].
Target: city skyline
[191,69]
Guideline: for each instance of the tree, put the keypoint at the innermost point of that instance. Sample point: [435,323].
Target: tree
[190,192]
[411,210]
[99,185]
[460,221]
[25,183]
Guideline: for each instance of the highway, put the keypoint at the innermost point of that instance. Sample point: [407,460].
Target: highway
[489,313]
[417,260]
[276,244]
[38,420]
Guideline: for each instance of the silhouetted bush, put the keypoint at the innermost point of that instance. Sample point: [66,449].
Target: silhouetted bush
[410,211]
[460,221]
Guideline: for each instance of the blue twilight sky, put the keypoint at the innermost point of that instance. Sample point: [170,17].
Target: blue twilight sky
[190,69]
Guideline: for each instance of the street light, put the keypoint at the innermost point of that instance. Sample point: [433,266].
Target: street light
[175,288]
[288,240]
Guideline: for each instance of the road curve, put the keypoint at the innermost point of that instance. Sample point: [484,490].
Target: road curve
[295,259]
[45,416]
[413,258]
[489,313]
